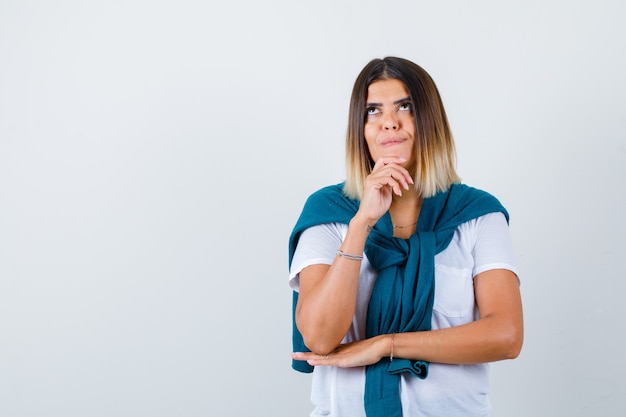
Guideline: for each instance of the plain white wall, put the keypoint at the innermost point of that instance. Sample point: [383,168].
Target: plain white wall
[154,156]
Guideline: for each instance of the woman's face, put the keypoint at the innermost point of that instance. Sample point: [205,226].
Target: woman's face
[389,125]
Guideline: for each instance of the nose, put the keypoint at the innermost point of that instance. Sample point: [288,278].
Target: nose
[390,122]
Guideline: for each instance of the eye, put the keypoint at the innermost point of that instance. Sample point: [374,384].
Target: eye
[371,111]
[406,106]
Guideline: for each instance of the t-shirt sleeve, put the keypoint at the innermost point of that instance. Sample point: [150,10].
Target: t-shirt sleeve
[316,245]
[493,248]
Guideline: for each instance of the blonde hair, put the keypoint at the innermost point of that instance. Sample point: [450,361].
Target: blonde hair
[435,167]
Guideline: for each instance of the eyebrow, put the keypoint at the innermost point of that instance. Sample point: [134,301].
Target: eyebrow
[402,100]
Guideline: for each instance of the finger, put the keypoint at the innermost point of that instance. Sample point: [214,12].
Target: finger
[327,360]
[309,356]
[386,160]
[301,356]
[395,185]
[391,165]
[396,178]
[384,181]
[315,359]
[401,178]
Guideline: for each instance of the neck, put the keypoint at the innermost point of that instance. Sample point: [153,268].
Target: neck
[409,198]
[404,212]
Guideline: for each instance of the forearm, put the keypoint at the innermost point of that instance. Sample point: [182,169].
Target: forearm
[328,294]
[482,341]
[489,339]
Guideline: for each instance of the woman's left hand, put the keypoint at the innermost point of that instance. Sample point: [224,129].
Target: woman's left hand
[361,353]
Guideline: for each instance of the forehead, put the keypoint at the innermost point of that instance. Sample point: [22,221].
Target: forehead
[390,89]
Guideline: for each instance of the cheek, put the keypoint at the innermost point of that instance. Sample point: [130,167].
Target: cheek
[370,132]
[370,139]
[408,123]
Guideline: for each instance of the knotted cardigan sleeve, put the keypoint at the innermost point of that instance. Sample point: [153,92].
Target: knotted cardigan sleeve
[327,205]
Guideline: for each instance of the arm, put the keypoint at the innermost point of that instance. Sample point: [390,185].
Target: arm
[327,299]
[496,335]
[328,294]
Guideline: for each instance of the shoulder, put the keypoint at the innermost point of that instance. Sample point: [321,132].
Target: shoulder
[480,201]
[489,223]
[321,234]
[327,194]
[331,204]
[326,205]
[481,244]
[461,190]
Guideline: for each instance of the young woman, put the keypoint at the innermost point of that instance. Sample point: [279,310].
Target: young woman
[404,279]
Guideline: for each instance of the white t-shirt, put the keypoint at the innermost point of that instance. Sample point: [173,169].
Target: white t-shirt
[449,390]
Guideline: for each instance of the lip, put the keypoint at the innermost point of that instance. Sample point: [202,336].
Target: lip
[392,141]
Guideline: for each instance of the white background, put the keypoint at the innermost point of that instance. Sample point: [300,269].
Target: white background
[154,156]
